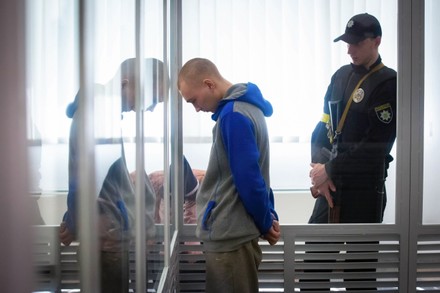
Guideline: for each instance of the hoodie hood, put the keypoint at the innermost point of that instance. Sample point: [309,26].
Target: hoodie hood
[72,107]
[244,92]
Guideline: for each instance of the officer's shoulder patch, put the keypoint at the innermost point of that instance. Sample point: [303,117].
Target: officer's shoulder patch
[384,113]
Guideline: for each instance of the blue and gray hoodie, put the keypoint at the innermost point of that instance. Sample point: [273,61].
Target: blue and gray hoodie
[235,203]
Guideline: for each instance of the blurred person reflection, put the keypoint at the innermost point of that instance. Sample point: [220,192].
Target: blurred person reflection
[116,199]
[192,178]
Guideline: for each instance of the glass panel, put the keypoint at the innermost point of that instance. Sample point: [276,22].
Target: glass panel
[53,86]
[432,105]
[52,83]
[288,51]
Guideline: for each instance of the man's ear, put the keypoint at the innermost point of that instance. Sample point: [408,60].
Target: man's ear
[209,83]
[124,83]
[378,40]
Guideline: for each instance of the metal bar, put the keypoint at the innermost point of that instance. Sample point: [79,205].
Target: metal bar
[415,99]
[140,162]
[88,224]
[166,169]
[176,110]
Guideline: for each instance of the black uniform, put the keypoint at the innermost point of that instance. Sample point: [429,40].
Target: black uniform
[359,168]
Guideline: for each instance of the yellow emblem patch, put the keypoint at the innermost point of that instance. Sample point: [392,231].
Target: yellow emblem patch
[384,113]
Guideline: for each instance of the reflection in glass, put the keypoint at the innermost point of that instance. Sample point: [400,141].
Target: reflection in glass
[52,87]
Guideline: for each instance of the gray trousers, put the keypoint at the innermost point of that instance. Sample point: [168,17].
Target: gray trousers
[234,271]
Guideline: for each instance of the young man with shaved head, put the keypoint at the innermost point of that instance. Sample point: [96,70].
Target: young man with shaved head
[235,204]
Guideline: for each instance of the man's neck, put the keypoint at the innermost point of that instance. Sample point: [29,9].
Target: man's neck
[224,86]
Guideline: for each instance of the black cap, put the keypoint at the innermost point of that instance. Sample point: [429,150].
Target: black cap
[360,27]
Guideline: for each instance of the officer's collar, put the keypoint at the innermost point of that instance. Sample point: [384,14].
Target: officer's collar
[362,70]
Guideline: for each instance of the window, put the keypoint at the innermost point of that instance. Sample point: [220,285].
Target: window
[286,49]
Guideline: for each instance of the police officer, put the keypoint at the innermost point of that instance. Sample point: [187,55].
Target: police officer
[351,144]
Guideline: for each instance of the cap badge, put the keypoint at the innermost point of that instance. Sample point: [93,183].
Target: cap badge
[350,23]
[358,95]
